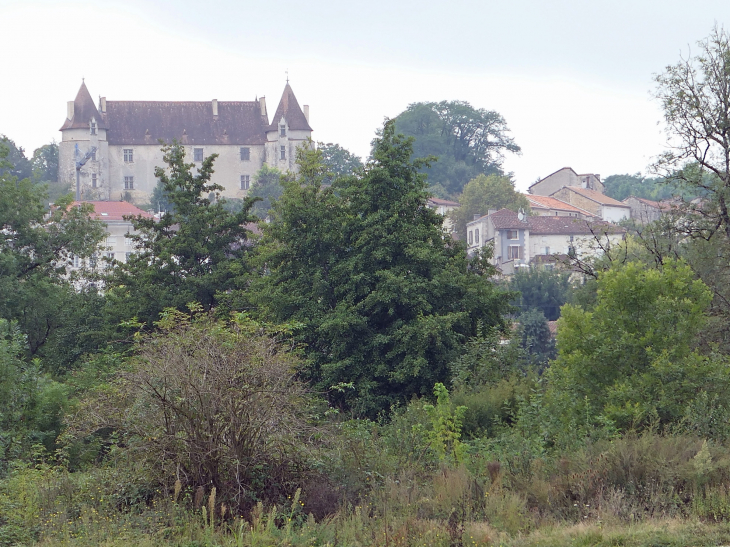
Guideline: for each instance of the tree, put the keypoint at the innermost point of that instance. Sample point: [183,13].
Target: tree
[36,248]
[533,335]
[695,97]
[540,289]
[465,141]
[630,359]
[622,186]
[484,193]
[17,164]
[266,186]
[385,300]
[45,163]
[192,254]
[339,161]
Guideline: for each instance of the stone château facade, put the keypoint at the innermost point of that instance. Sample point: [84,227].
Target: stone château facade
[127,137]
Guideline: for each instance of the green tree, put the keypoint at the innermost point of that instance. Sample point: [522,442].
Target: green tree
[695,97]
[17,164]
[268,187]
[466,141]
[622,186]
[484,193]
[192,254]
[533,335]
[45,163]
[630,359]
[339,161]
[540,289]
[36,250]
[385,300]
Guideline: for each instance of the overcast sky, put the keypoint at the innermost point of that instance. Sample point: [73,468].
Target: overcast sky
[573,78]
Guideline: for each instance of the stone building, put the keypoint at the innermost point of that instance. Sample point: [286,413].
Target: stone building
[566,177]
[127,135]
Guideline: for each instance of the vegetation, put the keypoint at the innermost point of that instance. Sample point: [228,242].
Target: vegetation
[352,377]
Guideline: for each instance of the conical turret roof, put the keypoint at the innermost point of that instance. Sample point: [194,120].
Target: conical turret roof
[289,109]
[84,111]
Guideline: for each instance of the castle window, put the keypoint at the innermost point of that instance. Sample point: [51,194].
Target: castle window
[129,183]
[128,155]
[92,127]
[282,130]
[245,182]
[197,154]
[283,152]
[245,154]
[93,180]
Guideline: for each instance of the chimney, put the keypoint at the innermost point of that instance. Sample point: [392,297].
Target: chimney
[262,105]
[491,211]
[306,112]
[70,110]
[102,104]
[476,216]
[215,107]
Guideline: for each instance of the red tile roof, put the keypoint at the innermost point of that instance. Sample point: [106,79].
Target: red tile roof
[596,196]
[504,219]
[553,203]
[113,210]
[570,226]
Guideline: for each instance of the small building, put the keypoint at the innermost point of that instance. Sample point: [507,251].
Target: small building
[550,206]
[644,210]
[444,207]
[566,177]
[596,203]
[117,245]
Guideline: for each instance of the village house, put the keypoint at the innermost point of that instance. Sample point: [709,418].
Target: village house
[520,241]
[566,177]
[549,206]
[444,207]
[123,141]
[644,210]
[602,206]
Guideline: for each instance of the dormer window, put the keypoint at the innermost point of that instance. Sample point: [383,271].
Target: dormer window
[282,130]
[92,127]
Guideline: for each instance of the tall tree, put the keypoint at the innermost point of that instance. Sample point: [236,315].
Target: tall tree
[45,163]
[192,254]
[385,299]
[484,193]
[266,186]
[466,141]
[17,164]
[695,97]
[339,161]
[540,289]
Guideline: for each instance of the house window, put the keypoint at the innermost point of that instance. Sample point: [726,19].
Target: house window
[197,154]
[109,255]
[128,241]
[471,237]
[512,234]
[128,155]
[245,182]
[129,183]
[93,260]
[93,154]
[476,235]
[93,180]
[92,127]
[245,154]
[111,241]
[513,252]
[547,250]
[282,130]
[283,152]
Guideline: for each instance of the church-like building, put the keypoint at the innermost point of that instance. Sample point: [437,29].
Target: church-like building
[127,134]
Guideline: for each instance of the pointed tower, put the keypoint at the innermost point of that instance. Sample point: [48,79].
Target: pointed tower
[85,127]
[289,129]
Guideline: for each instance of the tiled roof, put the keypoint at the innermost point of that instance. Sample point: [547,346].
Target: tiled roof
[596,196]
[84,110]
[569,226]
[192,122]
[289,109]
[446,202]
[553,203]
[504,219]
[113,210]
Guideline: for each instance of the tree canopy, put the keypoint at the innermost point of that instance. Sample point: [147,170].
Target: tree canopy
[385,300]
[484,193]
[339,161]
[465,141]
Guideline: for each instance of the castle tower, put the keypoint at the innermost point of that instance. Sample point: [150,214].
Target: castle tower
[85,127]
[289,129]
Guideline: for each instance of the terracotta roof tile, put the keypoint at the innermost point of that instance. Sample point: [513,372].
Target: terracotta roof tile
[113,210]
[570,226]
[553,203]
[596,196]
[504,219]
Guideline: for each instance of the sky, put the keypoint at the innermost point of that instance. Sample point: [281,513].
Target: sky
[572,78]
